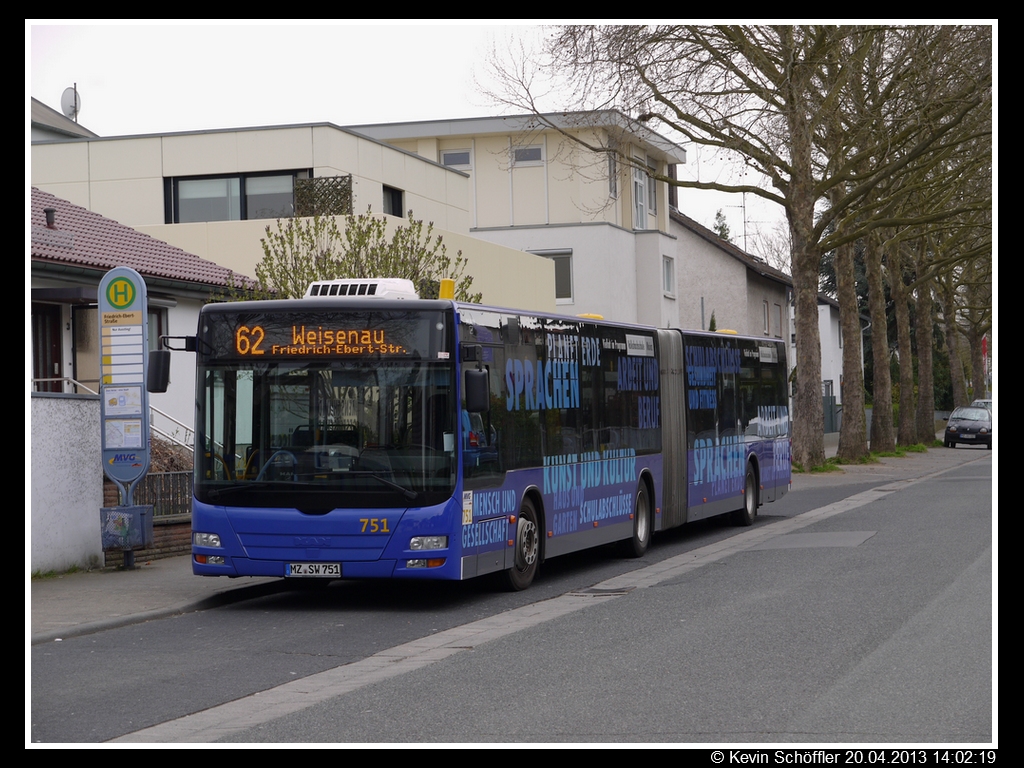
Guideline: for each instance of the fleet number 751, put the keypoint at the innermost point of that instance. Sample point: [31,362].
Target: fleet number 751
[375,524]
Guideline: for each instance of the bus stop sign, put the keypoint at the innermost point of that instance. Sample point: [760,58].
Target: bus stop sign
[124,401]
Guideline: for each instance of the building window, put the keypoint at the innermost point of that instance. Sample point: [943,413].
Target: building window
[668,275]
[393,202]
[613,175]
[652,189]
[528,155]
[639,198]
[456,158]
[231,198]
[563,273]
[270,197]
[778,321]
[767,318]
[209,200]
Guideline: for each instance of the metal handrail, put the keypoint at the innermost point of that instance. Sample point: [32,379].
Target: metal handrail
[188,431]
[63,379]
[170,438]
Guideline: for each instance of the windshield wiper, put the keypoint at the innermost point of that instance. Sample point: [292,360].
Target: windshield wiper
[407,492]
[253,485]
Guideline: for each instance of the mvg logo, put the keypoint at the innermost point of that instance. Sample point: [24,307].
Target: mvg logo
[120,457]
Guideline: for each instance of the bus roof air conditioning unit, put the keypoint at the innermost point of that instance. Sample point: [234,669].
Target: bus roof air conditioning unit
[376,288]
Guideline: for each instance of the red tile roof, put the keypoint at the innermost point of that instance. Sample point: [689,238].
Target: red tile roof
[91,241]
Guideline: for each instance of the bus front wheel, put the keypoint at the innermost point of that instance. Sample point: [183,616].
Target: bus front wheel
[527,549]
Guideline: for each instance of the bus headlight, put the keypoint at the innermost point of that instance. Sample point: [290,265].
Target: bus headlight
[428,542]
[206,539]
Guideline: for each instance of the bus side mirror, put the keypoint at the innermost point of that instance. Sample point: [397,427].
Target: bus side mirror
[477,389]
[159,370]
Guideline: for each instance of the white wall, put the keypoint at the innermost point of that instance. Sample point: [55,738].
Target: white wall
[603,264]
[655,306]
[727,286]
[710,281]
[179,401]
[66,482]
[506,276]
[831,352]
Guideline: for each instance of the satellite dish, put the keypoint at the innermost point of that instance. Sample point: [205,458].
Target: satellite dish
[71,103]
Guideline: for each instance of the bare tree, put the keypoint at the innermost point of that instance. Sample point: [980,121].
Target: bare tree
[763,94]
[907,77]
[773,246]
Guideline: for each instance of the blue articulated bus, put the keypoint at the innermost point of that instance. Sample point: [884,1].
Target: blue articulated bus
[357,433]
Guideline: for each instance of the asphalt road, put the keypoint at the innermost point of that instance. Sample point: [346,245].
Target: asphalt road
[856,610]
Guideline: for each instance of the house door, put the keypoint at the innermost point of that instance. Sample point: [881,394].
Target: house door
[46,346]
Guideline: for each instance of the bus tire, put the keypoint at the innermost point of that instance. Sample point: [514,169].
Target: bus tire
[527,549]
[745,515]
[637,544]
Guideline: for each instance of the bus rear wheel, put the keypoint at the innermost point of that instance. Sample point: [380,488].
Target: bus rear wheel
[636,545]
[527,549]
[746,514]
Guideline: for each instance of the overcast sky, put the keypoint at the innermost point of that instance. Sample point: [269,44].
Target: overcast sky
[151,78]
[145,77]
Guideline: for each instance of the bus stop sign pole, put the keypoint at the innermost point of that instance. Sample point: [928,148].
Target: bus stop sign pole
[124,400]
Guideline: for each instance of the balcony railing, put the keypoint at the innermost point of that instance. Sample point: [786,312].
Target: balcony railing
[323,196]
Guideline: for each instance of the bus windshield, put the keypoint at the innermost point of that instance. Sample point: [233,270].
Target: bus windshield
[316,430]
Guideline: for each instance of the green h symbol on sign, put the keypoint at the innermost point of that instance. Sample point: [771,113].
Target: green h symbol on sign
[121,293]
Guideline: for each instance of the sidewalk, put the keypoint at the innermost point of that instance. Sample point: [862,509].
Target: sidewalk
[86,602]
[82,603]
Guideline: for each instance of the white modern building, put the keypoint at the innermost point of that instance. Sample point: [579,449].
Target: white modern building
[214,193]
[535,187]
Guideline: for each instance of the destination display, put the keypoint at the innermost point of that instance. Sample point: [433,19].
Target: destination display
[315,342]
[296,336]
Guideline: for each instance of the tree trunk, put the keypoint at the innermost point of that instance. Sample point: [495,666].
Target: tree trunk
[808,416]
[882,438]
[901,299]
[974,338]
[925,421]
[952,332]
[853,444]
